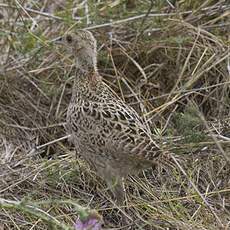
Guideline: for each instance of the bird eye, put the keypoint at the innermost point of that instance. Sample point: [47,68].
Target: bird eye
[69,38]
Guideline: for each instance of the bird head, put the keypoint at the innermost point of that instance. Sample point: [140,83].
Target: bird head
[82,46]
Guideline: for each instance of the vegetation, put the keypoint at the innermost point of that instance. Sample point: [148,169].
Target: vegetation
[169,59]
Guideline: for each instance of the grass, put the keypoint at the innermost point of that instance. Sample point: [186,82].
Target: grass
[167,59]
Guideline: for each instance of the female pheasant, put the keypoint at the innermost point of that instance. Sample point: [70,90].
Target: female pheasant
[106,132]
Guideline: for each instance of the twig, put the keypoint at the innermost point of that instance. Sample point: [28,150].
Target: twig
[144,19]
[52,142]
[88,22]
[123,21]
[222,137]
[33,11]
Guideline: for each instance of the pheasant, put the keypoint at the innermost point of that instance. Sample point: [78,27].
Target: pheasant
[106,132]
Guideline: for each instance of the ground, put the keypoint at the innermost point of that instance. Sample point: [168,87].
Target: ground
[167,59]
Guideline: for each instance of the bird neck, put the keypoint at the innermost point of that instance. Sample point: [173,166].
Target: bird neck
[87,76]
[87,64]
[87,70]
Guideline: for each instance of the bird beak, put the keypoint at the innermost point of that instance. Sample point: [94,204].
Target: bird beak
[58,40]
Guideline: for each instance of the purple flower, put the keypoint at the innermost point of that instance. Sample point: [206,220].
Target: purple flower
[92,222]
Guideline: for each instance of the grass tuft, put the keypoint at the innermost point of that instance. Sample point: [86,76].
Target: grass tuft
[169,60]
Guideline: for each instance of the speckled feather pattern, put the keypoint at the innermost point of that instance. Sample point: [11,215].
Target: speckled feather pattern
[107,132]
[104,128]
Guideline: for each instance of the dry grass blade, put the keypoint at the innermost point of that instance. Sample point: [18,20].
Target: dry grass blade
[169,61]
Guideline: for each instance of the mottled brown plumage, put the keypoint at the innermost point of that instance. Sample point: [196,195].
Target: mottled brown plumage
[108,133]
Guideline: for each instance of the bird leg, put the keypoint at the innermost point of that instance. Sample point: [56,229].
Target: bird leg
[117,187]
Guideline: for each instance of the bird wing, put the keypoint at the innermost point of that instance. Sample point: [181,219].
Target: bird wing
[123,130]
[128,130]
